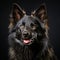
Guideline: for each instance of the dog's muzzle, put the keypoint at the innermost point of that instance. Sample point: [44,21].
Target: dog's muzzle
[29,39]
[26,37]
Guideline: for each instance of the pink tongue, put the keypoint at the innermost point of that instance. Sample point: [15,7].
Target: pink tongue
[26,41]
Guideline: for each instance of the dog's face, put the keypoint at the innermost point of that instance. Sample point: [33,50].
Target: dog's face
[29,29]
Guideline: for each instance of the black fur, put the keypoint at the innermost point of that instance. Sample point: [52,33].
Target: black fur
[28,39]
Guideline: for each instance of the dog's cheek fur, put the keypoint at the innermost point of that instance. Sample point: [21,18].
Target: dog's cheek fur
[12,55]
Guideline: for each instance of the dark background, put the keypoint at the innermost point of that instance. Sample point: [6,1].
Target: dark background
[53,9]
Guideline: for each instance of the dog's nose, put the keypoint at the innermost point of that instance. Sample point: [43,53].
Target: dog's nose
[25,34]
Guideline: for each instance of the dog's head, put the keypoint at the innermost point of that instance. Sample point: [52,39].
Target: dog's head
[32,28]
[29,29]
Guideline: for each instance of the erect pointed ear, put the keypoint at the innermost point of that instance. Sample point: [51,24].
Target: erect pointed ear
[41,13]
[16,14]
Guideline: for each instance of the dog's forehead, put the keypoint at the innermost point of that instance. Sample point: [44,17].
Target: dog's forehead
[27,20]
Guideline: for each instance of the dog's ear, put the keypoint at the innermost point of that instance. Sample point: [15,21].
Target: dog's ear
[17,11]
[16,14]
[41,13]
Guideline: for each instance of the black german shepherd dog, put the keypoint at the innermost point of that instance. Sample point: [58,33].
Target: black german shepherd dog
[28,35]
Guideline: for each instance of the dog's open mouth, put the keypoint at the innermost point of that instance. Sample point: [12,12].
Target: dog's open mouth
[26,41]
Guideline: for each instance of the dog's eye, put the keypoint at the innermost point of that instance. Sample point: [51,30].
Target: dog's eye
[34,27]
[22,27]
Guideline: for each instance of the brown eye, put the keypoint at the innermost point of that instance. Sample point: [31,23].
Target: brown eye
[22,27]
[34,27]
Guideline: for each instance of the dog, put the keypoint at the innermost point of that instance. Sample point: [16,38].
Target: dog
[28,35]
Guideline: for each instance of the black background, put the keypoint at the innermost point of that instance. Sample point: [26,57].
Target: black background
[53,9]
